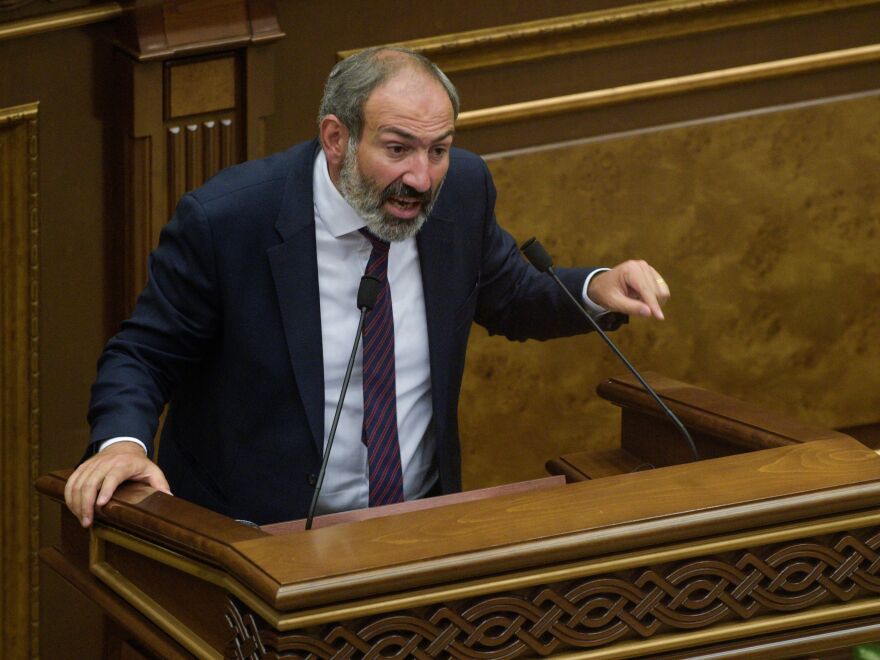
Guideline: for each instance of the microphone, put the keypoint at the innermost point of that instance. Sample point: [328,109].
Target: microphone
[368,292]
[541,259]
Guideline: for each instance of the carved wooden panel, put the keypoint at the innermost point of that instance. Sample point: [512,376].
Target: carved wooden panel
[200,86]
[203,111]
[195,85]
[19,380]
[769,587]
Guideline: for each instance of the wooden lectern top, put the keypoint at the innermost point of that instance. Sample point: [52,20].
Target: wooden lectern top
[509,532]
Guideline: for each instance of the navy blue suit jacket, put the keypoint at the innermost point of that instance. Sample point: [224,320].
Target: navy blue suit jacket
[228,330]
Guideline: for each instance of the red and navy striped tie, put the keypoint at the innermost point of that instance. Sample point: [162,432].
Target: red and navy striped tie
[380,399]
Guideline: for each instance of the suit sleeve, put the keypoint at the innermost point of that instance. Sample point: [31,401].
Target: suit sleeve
[519,302]
[172,327]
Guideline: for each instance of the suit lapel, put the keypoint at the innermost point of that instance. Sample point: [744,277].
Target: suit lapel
[435,247]
[294,265]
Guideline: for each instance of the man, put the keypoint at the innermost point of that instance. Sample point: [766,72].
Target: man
[249,312]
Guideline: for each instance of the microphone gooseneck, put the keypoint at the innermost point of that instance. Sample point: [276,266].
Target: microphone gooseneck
[368,292]
[541,259]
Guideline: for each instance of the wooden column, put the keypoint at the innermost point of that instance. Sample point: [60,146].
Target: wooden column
[195,85]
[19,380]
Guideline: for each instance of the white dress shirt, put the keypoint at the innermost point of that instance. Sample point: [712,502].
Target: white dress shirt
[342,259]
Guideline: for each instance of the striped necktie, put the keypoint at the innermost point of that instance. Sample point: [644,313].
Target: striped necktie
[380,399]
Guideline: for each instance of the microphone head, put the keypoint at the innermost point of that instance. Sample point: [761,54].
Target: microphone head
[537,255]
[368,292]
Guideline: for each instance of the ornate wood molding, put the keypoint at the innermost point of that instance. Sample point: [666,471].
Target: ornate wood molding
[60,21]
[19,379]
[589,569]
[569,103]
[195,86]
[705,598]
[667,598]
[649,21]
[175,28]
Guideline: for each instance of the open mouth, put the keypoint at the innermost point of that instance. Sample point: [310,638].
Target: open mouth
[403,204]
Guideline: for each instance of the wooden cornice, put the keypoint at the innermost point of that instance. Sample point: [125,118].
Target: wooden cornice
[172,28]
[595,30]
[158,30]
[570,103]
[64,20]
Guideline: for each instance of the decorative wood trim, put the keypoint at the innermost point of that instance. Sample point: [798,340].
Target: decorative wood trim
[576,33]
[172,28]
[778,569]
[653,607]
[61,21]
[569,103]
[19,379]
[146,605]
[572,571]
[469,589]
[100,536]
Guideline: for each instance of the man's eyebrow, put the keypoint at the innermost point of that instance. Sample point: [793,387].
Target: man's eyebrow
[409,136]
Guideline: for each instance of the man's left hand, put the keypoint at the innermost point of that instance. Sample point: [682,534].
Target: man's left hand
[632,287]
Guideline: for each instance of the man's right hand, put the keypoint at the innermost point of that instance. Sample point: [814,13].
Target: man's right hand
[93,483]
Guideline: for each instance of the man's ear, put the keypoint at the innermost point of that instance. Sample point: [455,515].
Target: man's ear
[334,141]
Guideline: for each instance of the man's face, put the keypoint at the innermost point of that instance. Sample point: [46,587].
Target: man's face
[392,175]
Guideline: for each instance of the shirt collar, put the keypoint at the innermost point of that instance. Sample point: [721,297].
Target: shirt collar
[336,214]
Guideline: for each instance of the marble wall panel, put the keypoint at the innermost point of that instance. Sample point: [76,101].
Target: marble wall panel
[766,225]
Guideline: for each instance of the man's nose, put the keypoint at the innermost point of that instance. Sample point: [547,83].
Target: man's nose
[418,176]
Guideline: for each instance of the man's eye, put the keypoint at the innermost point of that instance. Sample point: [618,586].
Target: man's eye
[439,152]
[396,149]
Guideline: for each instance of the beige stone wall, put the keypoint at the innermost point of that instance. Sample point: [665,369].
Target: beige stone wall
[766,225]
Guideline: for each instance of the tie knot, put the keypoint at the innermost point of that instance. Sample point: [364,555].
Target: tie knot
[378,244]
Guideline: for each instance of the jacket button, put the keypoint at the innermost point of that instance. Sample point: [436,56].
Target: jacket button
[312,479]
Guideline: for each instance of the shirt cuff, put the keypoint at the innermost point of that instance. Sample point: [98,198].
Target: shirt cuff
[113,441]
[594,309]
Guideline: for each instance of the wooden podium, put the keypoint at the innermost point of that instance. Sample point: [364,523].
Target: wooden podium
[771,548]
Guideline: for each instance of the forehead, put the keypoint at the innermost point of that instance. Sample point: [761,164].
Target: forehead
[410,100]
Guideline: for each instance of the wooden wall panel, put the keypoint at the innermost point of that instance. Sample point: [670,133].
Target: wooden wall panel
[767,228]
[19,380]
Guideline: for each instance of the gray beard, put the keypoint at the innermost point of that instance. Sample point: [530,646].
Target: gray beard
[366,198]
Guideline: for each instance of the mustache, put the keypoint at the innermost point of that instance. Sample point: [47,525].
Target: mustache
[400,189]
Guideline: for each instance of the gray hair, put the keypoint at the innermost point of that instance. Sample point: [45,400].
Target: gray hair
[352,80]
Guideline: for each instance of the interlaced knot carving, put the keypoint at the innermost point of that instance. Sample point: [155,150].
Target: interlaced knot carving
[598,610]
[246,643]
